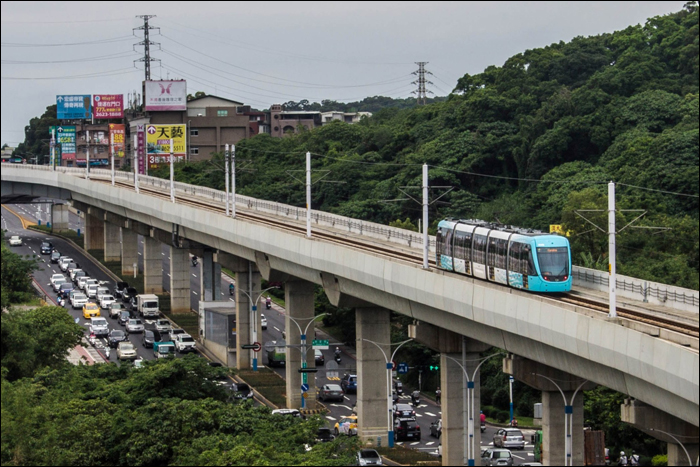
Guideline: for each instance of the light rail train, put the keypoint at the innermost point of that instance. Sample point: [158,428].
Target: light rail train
[520,258]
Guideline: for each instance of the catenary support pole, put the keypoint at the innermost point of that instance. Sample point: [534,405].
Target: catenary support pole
[233,180]
[611,249]
[87,154]
[111,147]
[308,194]
[226,177]
[426,239]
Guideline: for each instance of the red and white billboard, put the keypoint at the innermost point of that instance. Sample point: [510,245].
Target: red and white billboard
[116,139]
[166,95]
[108,105]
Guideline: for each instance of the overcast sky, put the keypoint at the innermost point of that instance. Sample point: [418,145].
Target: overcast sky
[263,53]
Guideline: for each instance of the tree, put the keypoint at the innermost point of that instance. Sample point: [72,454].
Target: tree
[16,277]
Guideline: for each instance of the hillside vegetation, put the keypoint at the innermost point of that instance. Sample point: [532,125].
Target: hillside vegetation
[527,143]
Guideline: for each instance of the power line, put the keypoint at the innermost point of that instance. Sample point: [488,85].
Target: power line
[659,191]
[100,41]
[77,60]
[88,75]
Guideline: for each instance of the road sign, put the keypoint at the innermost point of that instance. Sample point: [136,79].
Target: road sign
[393,365]
[304,387]
[255,346]
[308,370]
[403,368]
[320,344]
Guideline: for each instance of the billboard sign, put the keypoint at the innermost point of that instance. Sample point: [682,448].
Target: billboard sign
[166,95]
[108,105]
[65,141]
[70,107]
[116,139]
[141,148]
[158,143]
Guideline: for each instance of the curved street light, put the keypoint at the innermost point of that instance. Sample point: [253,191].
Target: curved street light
[303,349]
[254,321]
[690,461]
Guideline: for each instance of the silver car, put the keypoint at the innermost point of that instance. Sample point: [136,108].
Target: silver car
[511,438]
[163,325]
[496,457]
[134,325]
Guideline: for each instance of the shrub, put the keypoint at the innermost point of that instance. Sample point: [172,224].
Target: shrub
[660,460]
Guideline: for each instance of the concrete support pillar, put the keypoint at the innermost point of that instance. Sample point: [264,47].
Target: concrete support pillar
[60,217]
[152,266]
[210,280]
[179,280]
[554,407]
[657,423]
[373,382]
[299,299]
[94,232]
[130,252]
[248,281]
[112,242]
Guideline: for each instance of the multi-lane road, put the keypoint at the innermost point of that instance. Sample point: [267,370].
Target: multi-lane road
[426,412]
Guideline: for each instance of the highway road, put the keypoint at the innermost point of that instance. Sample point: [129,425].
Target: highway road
[426,412]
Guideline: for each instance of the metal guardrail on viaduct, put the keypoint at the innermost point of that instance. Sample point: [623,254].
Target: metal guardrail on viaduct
[382,266]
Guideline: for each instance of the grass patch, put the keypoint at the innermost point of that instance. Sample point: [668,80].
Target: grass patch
[268,383]
[187,321]
[405,456]
[69,234]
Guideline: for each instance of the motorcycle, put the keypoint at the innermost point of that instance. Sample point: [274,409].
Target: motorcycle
[483,427]
[337,358]
[268,304]
[194,261]
[415,400]
[107,352]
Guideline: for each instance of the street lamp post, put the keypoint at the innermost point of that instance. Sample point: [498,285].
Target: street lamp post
[690,461]
[568,418]
[389,368]
[470,448]
[254,321]
[303,349]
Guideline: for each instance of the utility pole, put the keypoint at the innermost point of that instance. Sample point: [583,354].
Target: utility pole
[147,45]
[421,82]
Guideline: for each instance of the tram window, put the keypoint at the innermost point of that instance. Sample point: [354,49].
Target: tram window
[527,256]
[448,243]
[514,257]
[501,249]
[440,244]
[460,242]
[479,251]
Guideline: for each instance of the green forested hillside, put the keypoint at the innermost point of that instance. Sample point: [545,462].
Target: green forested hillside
[527,143]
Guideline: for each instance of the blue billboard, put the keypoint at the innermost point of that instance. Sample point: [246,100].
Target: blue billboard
[74,107]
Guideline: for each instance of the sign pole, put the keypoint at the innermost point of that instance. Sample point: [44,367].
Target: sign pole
[172,172]
[226,176]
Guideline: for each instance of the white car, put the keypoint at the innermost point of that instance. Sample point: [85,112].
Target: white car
[65,263]
[106,301]
[88,282]
[57,283]
[101,290]
[82,280]
[57,277]
[99,326]
[163,325]
[184,343]
[78,300]
[91,290]
[263,322]
[15,240]
[73,273]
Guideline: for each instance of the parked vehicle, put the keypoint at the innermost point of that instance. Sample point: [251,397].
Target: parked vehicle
[184,343]
[288,412]
[349,383]
[404,411]
[126,351]
[46,248]
[369,457]
[242,391]
[99,326]
[511,438]
[119,289]
[331,392]
[406,428]
[78,300]
[15,240]
[134,326]
[147,305]
[496,457]
[115,337]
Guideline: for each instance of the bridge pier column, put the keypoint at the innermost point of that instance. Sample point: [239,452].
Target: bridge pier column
[299,299]
[112,242]
[210,280]
[247,278]
[650,420]
[374,418]
[94,232]
[152,266]
[179,280]
[130,252]
[60,216]
[540,376]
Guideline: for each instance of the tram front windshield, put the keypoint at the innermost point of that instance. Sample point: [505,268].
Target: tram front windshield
[554,263]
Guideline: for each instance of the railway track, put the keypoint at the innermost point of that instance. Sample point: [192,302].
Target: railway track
[602,307]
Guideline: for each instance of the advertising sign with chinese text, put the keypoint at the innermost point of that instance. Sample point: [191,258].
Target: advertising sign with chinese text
[70,107]
[116,139]
[166,95]
[108,105]
[65,141]
[141,148]
[158,143]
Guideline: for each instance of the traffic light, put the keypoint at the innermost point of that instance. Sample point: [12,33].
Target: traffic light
[434,368]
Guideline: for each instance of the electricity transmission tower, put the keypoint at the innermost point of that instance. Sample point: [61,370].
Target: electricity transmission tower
[421,82]
[147,45]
